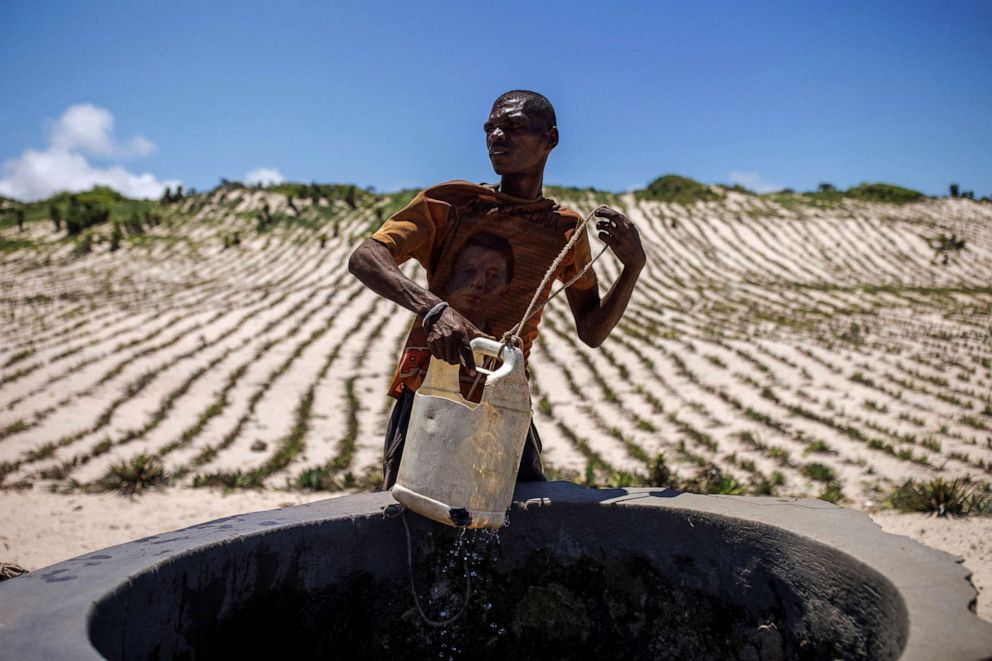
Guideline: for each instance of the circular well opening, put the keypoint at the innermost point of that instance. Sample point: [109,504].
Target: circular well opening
[567,581]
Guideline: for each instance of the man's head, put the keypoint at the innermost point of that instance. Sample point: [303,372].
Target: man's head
[481,273]
[520,133]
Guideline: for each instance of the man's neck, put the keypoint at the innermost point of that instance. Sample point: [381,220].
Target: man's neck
[525,186]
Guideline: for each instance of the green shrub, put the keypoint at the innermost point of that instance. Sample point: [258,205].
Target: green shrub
[83,214]
[134,476]
[673,188]
[957,497]
[884,193]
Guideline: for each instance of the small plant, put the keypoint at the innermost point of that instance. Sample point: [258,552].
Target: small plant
[230,480]
[832,493]
[779,454]
[769,394]
[42,452]
[716,360]
[973,421]
[134,476]
[646,425]
[710,479]
[818,447]
[317,479]
[854,334]
[544,406]
[946,245]
[819,472]
[872,405]
[957,497]
[83,246]
[764,487]
[659,473]
[115,237]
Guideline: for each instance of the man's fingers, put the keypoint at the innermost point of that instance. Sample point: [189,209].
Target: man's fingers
[468,359]
[614,215]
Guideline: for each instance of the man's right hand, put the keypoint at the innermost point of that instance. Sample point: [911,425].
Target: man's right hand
[450,332]
[448,338]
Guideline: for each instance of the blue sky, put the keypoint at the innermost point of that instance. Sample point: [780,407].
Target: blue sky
[394,94]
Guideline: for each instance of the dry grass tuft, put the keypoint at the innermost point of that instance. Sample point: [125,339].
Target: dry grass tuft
[136,475]
[957,497]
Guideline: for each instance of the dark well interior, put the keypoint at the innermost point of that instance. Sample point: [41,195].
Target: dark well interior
[568,581]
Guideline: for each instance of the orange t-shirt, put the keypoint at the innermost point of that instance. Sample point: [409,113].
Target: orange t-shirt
[435,226]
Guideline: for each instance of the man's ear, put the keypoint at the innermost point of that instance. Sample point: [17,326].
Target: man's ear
[552,137]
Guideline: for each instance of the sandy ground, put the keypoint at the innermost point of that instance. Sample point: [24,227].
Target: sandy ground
[968,538]
[38,529]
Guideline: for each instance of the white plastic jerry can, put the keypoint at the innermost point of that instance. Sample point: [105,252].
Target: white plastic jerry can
[460,462]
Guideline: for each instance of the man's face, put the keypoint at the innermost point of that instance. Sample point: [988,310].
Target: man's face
[517,141]
[479,278]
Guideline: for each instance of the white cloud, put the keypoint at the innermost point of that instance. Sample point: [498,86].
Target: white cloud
[89,129]
[754,181]
[38,174]
[82,129]
[264,176]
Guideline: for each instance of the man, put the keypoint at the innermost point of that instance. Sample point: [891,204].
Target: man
[521,132]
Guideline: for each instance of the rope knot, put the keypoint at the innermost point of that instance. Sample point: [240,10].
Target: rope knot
[511,339]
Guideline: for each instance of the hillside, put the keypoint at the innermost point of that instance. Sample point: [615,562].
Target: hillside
[827,346]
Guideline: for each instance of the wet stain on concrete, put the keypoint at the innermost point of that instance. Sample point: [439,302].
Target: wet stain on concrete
[170,539]
[58,576]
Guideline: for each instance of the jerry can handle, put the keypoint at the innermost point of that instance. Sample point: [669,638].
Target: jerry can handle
[510,356]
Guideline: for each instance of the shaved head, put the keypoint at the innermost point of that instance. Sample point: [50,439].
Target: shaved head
[534,104]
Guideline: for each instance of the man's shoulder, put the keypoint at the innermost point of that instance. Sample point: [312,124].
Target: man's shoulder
[568,213]
[458,192]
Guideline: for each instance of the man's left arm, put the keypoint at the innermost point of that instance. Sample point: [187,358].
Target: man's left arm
[595,317]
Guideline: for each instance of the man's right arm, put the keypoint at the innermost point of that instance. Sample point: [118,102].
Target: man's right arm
[448,336]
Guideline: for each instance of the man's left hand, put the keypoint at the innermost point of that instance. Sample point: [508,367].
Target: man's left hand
[616,231]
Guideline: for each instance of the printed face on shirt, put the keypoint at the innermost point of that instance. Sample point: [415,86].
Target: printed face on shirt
[479,278]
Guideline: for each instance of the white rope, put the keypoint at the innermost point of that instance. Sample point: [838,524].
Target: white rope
[394,511]
[512,336]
